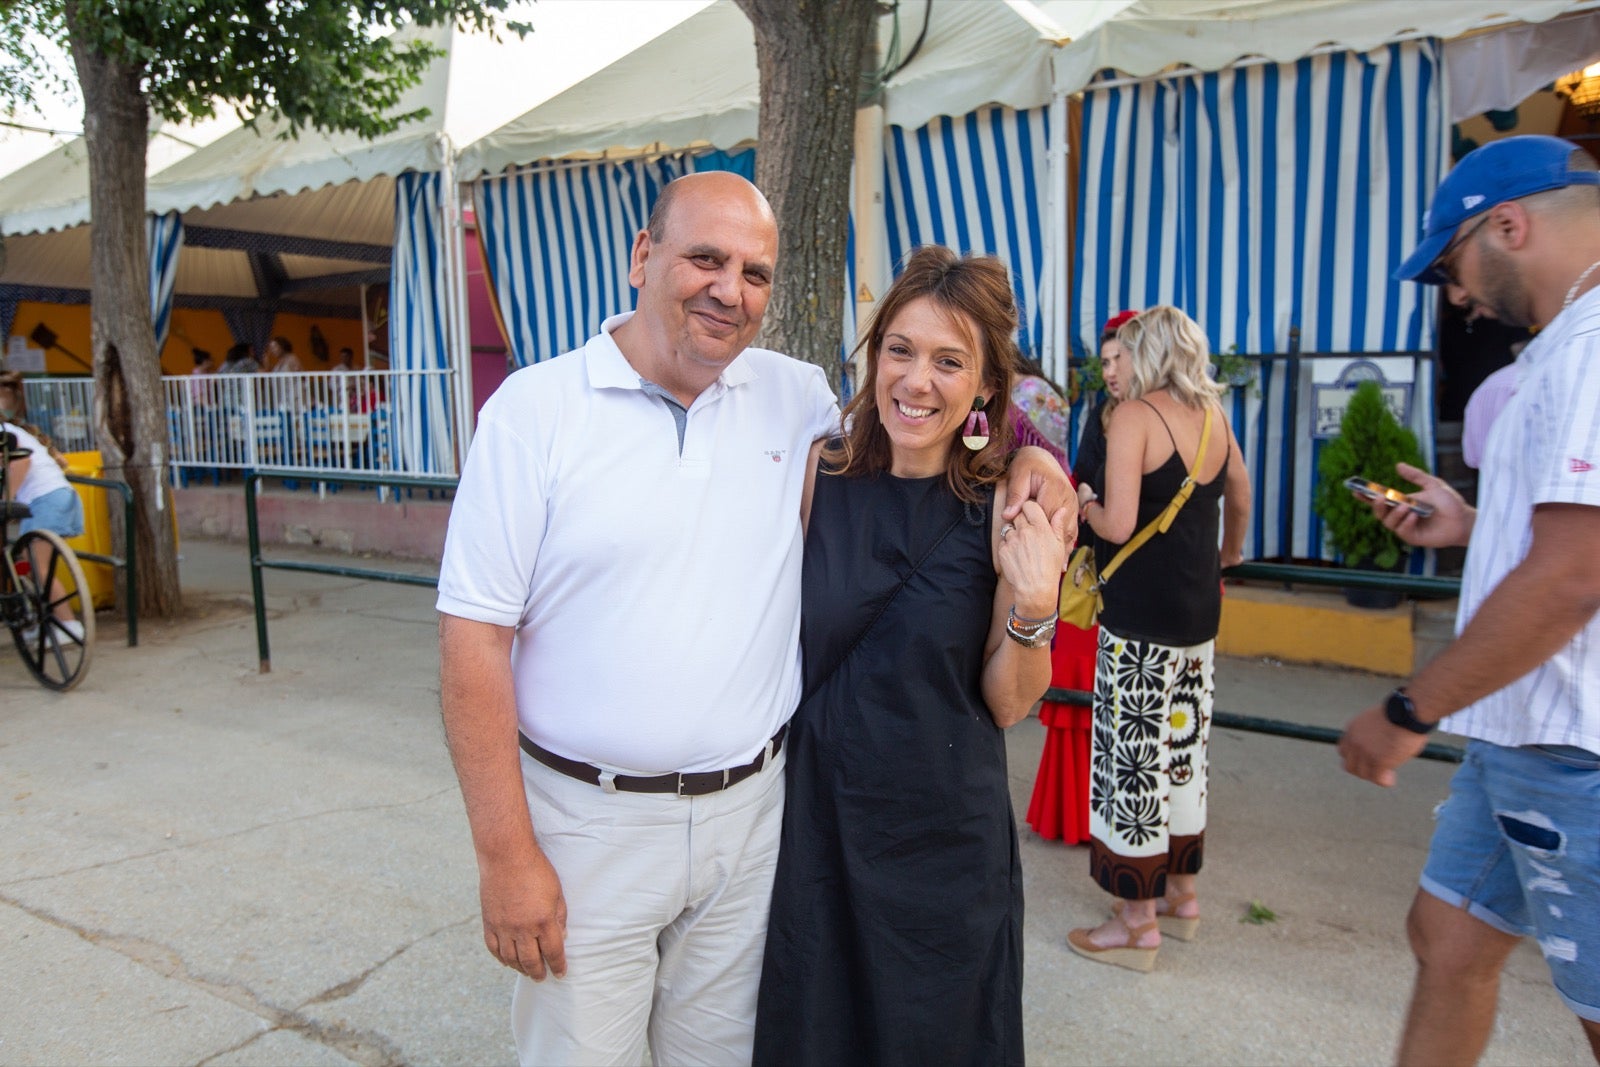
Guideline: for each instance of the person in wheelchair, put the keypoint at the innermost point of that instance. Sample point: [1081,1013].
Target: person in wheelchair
[40,482]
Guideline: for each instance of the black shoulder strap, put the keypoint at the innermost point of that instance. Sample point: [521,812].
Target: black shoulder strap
[1164,425]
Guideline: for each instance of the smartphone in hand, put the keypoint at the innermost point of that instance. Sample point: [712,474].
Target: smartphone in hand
[1378,491]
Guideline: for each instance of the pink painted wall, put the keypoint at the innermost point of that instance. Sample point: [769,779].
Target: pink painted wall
[489,349]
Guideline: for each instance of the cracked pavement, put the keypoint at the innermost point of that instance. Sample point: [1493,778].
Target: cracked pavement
[201,864]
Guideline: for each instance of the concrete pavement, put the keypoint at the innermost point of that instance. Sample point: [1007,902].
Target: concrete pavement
[201,864]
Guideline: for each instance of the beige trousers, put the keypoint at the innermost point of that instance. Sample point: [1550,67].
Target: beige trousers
[667,901]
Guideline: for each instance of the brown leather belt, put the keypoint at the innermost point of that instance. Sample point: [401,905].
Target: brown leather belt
[690,784]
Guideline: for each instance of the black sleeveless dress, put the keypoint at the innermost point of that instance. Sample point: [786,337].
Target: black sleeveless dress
[896,927]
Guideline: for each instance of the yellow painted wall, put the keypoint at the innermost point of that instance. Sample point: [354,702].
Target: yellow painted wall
[191,328]
[70,322]
[1305,626]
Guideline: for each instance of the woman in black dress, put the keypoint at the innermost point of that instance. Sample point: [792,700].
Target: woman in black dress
[1154,681]
[896,926]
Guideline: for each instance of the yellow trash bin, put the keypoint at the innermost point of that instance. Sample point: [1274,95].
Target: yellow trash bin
[96,536]
[101,578]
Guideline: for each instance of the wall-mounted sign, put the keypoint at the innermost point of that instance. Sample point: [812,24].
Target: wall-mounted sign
[1330,398]
[21,356]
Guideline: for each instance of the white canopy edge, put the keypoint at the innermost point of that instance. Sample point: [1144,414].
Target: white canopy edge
[1146,37]
[1497,71]
[698,84]
[694,84]
[975,55]
[476,85]
[52,192]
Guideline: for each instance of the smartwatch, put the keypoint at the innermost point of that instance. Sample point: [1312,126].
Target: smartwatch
[1399,710]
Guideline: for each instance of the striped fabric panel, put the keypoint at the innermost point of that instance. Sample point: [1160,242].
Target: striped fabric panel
[976,184]
[164,239]
[419,415]
[557,240]
[556,243]
[1270,203]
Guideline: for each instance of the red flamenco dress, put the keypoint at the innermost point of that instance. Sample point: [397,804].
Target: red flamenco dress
[1060,804]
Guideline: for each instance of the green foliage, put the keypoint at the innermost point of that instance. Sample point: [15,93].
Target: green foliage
[1370,442]
[1089,377]
[312,63]
[1258,914]
[25,70]
[1232,369]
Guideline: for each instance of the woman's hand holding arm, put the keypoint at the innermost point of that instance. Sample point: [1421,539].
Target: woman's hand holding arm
[1031,552]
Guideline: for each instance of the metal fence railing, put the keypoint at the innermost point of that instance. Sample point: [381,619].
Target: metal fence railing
[259,563]
[64,409]
[360,422]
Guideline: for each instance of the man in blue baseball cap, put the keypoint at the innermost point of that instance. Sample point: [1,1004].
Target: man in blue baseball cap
[1516,850]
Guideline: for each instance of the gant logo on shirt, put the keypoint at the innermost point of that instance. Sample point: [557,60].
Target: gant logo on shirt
[1579,466]
[775,454]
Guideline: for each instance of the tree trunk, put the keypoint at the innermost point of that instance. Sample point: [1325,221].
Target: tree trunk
[129,408]
[809,53]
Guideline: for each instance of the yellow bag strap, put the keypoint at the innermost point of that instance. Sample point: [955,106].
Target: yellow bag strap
[1162,522]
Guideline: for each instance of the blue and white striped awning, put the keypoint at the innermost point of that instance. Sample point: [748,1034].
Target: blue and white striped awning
[164,238]
[556,242]
[1271,203]
[976,184]
[556,238]
[419,328]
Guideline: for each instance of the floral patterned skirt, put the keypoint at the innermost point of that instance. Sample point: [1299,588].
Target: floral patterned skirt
[1147,764]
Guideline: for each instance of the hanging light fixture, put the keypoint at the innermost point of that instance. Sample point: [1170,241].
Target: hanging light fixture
[1582,90]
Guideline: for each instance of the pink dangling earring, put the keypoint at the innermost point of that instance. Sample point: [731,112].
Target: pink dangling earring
[976,435]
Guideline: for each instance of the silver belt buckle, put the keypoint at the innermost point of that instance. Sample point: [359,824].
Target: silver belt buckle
[681,777]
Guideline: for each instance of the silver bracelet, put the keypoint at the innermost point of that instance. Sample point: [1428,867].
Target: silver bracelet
[1025,623]
[1037,638]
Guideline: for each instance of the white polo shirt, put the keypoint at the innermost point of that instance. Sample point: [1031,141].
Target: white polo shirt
[1544,448]
[656,596]
[44,475]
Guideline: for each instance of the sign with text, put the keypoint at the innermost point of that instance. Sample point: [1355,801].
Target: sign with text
[21,356]
[1330,398]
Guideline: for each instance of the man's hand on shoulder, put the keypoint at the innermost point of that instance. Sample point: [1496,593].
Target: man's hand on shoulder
[524,916]
[1036,475]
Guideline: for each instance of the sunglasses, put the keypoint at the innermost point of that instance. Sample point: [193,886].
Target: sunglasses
[1444,264]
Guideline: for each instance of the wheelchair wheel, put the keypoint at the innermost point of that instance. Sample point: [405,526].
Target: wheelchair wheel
[56,652]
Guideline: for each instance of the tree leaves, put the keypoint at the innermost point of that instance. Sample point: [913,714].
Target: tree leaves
[323,64]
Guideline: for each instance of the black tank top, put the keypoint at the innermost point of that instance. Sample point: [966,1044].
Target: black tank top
[1170,590]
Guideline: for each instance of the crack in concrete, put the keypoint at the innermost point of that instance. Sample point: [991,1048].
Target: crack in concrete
[230,834]
[362,1047]
[350,986]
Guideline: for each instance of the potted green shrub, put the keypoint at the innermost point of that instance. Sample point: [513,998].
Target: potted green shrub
[1370,442]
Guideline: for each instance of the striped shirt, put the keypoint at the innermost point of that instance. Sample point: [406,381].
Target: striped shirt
[1543,449]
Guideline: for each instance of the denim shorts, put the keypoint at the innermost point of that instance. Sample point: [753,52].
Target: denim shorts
[59,511]
[1518,845]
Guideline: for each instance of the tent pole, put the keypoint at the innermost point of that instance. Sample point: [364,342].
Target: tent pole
[450,202]
[872,268]
[1055,304]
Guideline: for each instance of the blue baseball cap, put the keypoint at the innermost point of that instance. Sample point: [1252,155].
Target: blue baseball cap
[1507,169]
